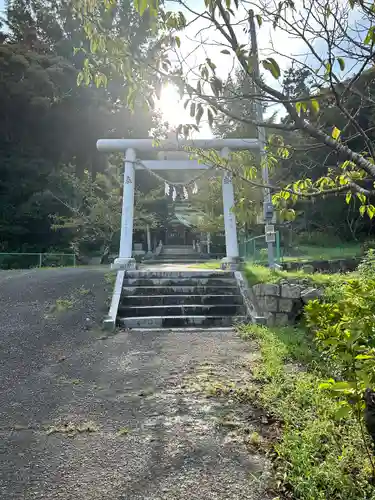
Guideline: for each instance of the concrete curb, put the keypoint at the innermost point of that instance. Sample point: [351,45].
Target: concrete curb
[249,299]
[109,322]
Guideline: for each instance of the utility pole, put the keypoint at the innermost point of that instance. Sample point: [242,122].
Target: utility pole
[267,199]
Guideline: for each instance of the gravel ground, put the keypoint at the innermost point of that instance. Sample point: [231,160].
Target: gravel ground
[85,417]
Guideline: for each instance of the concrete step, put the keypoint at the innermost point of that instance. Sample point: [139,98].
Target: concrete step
[156,322]
[179,290]
[177,250]
[193,273]
[175,299]
[182,310]
[182,254]
[178,282]
[170,260]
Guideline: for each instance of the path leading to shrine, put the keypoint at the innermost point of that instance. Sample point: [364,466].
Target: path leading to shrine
[85,416]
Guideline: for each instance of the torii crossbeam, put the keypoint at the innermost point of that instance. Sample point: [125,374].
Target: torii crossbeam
[130,147]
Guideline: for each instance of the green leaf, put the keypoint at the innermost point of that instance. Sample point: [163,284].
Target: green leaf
[314,106]
[370,37]
[199,114]
[343,180]
[225,51]
[342,412]
[328,67]
[142,6]
[346,164]
[178,41]
[364,356]
[216,86]
[325,385]
[370,209]
[341,387]
[192,109]
[211,64]
[210,117]
[362,209]
[271,65]
[259,20]
[362,198]
[336,133]
[348,197]
[341,63]
[186,103]
[80,78]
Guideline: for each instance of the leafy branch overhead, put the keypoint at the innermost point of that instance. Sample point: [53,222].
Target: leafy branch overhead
[339,76]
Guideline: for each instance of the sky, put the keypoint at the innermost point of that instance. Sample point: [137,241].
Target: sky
[268,39]
[197,42]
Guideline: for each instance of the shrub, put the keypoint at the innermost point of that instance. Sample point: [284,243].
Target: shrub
[367,245]
[344,325]
[320,453]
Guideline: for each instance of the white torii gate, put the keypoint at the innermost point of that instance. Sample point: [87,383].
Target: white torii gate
[130,146]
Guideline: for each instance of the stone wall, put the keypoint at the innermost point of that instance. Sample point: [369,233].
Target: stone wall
[282,304]
[323,266]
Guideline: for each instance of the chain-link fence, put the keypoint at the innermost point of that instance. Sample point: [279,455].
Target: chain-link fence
[255,249]
[24,260]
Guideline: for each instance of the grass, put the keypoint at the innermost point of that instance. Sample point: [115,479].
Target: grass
[310,252]
[318,456]
[211,264]
[304,253]
[70,429]
[259,274]
[123,431]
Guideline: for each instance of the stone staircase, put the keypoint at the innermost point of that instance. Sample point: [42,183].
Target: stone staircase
[172,299]
[179,254]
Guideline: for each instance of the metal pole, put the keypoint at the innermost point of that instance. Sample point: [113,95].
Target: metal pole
[267,199]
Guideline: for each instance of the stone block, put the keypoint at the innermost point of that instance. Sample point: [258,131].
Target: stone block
[308,269]
[270,289]
[270,303]
[291,291]
[285,305]
[281,319]
[261,301]
[310,294]
[258,289]
[271,320]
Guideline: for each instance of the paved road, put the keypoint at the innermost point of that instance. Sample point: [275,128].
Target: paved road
[84,417]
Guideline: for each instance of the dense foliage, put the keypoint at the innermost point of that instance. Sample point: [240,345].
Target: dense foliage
[50,170]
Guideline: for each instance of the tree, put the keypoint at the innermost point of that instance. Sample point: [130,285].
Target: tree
[94,207]
[346,44]
[49,125]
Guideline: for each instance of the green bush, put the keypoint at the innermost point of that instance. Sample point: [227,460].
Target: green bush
[367,245]
[366,268]
[320,454]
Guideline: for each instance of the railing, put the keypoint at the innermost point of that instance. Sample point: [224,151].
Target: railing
[255,249]
[28,260]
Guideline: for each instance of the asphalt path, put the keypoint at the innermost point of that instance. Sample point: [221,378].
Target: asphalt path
[86,416]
